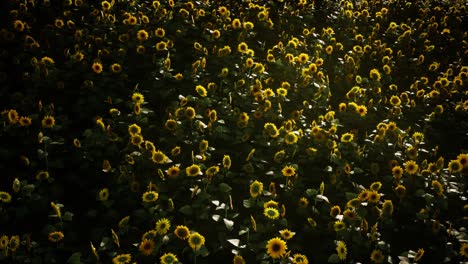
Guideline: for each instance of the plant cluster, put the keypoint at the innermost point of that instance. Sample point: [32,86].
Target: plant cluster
[248,131]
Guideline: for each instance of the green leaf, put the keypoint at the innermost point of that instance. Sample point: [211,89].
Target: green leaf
[334,258]
[186,210]
[223,187]
[75,258]
[350,195]
[311,192]
[67,216]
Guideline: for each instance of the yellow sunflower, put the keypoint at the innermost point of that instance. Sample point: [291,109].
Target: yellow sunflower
[55,236]
[271,213]
[196,241]
[342,250]
[276,248]
[168,258]
[162,226]
[300,259]
[377,256]
[286,234]
[173,171]
[122,259]
[182,232]
[147,247]
[256,188]
[193,170]
[288,171]
[48,121]
[149,197]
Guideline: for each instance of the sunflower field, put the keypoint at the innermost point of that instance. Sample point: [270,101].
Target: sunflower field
[247,131]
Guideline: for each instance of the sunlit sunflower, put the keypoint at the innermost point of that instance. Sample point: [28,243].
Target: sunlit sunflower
[455,166]
[5,197]
[256,189]
[138,98]
[276,248]
[196,241]
[271,213]
[339,225]
[286,234]
[169,258]
[411,167]
[159,157]
[400,191]
[290,138]
[377,256]
[48,121]
[147,247]
[182,232]
[162,226]
[300,259]
[173,171]
[374,197]
[3,242]
[149,197]
[193,170]
[103,194]
[342,250]
[201,90]
[97,67]
[55,236]
[288,171]
[347,137]
[122,259]
[238,259]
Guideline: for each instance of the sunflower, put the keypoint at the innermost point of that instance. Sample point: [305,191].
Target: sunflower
[190,113]
[339,225]
[347,137]
[201,90]
[256,188]
[173,171]
[14,243]
[55,236]
[159,32]
[361,110]
[303,202]
[48,121]
[211,171]
[146,247]
[142,35]
[300,259]
[242,47]
[13,116]
[238,259]
[149,235]
[276,248]
[138,98]
[397,172]
[42,175]
[455,166]
[136,140]
[5,197]
[342,250]
[400,191]
[182,232]
[350,215]
[122,259]
[290,138]
[377,256]
[193,170]
[103,194]
[438,189]
[418,255]
[25,121]
[149,197]
[464,250]
[159,157]
[168,258]
[374,197]
[411,167]
[271,213]
[286,234]
[116,68]
[171,125]
[3,242]
[387,208]
[162,226]
[335,210]
[97,67]
[288,171]
[271,203]
[227,162]
[196,241]
[175,151]
[281,92]
[463,158]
